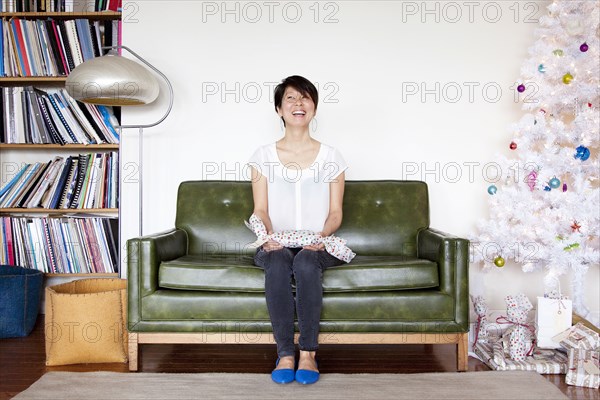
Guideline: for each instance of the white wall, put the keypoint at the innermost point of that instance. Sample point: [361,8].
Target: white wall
[364,60]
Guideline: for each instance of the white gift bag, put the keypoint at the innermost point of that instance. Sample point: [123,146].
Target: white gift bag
[553,316]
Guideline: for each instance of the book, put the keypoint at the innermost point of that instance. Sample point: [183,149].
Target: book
[81,176]
[45,182]
[70,185]
[50,192]
[30,187]
[111,227]
[85,38]
[38,121]
[19,44]
[9,197]
[66,44]
[61,187]
[60,121]
[48,122]
[55,48]
[13,181]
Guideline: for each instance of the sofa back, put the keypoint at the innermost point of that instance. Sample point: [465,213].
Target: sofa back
[380,217]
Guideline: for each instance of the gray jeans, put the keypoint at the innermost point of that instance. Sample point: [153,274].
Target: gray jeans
[306,268]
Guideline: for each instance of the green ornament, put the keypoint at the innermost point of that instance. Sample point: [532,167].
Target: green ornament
[558,53]
[499,261]
[571,247]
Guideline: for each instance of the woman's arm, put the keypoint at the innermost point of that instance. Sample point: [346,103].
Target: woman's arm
[259,195]
[336,198]
[261,206]
[334,218]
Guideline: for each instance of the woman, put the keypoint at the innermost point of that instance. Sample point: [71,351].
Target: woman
[297,184]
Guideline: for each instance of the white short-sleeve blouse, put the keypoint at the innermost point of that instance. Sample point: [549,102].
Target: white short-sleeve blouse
[298,198]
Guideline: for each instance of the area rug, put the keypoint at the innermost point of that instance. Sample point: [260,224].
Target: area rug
[487,385]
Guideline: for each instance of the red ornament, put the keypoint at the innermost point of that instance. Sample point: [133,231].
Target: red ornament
[513,146]
[575,227]
[590,105]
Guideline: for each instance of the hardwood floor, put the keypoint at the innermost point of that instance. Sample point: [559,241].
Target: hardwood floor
[22,361]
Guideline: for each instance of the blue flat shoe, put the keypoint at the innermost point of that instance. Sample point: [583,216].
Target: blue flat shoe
[284,375]
[306,376]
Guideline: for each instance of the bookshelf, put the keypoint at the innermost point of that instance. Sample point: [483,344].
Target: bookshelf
[88,227]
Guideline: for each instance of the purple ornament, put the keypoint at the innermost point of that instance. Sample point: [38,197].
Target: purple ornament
[584,47]
[521,88]
[564,187]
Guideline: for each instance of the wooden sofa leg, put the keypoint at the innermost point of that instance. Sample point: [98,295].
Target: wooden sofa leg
[462,352]
[133,352]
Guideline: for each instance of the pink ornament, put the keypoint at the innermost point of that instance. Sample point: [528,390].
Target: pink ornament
[532,180]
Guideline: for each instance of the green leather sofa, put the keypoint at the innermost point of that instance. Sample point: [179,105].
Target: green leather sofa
[197,283]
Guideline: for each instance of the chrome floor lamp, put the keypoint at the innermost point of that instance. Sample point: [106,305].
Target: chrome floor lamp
[113,80]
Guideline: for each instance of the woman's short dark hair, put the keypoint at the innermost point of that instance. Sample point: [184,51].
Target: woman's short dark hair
[301,84]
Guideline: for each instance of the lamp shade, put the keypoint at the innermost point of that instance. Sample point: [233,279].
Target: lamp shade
[112,80]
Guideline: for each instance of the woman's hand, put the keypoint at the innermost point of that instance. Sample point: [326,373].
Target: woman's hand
[271,245]
[316,247]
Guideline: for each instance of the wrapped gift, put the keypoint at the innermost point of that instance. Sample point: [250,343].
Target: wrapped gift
[579,337]
[481,309]
[584,369]
[520,336]
[542,361]
[553,316]
[334,245]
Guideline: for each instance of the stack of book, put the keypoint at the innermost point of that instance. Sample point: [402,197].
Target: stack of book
[59,5]
[77,182]
[47,47]
[60,245]
[31,115]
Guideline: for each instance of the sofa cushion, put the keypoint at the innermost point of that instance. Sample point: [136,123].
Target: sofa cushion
[236,273]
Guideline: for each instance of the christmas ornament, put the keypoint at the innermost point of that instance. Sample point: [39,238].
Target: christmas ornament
[564,187]
[554,183]
[499,262]
[567,78]
[531,180]
[492,189]
[541,68]
[584,47]
[513,146]
[582,152]
[558,52]
[521,88]
[547,188]
[590,105]
[575,227]
[571,247]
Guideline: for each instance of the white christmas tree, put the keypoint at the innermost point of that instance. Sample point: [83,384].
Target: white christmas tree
[545,207]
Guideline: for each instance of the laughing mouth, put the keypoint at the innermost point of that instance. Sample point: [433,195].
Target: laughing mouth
[299,112]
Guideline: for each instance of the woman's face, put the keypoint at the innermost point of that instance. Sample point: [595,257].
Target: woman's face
[296,109]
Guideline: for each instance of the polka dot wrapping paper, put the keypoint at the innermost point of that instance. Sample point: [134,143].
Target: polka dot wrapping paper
[334,245]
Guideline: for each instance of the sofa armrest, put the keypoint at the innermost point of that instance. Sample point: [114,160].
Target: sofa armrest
[451,253]
[144,255]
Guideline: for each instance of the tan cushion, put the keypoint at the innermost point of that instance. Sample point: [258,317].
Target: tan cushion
[86,322]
